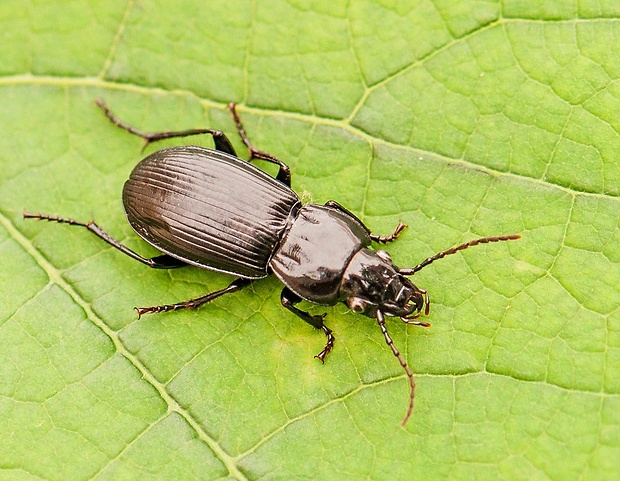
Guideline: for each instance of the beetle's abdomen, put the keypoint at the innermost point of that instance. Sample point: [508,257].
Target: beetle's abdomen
[316,251]
[209,208]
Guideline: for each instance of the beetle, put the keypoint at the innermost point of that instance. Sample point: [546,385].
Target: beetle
[211,209]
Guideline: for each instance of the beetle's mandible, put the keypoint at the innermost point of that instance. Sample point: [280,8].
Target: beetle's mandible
[211,209]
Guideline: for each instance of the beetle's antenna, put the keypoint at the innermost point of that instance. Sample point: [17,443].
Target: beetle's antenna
[402,361]
[453,250]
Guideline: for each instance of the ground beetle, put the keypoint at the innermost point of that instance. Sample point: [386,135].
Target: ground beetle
[213,210]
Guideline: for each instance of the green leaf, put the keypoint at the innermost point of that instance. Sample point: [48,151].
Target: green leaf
[461,119]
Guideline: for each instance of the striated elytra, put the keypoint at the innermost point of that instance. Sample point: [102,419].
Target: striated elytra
[211,209]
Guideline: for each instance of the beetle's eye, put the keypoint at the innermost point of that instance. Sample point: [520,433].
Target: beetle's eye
[384,256]
[356,304]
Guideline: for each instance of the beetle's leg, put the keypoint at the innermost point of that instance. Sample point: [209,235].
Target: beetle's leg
[219,138]
[284,174]
[289,299]
[234,286]
[159,262]
[384,239]
[335,205]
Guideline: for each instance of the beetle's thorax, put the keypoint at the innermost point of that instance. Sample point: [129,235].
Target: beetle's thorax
[372,282]
[315,251]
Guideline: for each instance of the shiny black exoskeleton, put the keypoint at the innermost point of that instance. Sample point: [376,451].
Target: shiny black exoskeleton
[211,209]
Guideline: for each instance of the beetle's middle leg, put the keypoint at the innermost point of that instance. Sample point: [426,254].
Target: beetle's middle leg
[284,174]
[234,286]
[219,138]
[289,299]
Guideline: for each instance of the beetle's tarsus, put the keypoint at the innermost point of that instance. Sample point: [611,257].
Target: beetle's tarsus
[329,346]
[153,309]
[409,321]
[384,239]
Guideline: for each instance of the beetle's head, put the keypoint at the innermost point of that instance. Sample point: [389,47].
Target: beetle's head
[372,282]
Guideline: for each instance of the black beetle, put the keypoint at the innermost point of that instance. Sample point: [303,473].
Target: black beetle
[213,210]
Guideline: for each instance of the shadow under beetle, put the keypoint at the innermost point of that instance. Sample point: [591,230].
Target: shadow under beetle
[213,210]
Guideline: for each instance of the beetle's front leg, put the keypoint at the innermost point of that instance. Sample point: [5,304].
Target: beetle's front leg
[289,299]
[383,239]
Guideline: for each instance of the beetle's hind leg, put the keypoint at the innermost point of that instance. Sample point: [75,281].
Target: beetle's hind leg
[219,138]
[163,261]
[284,174]
[289,299]
[234,286]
